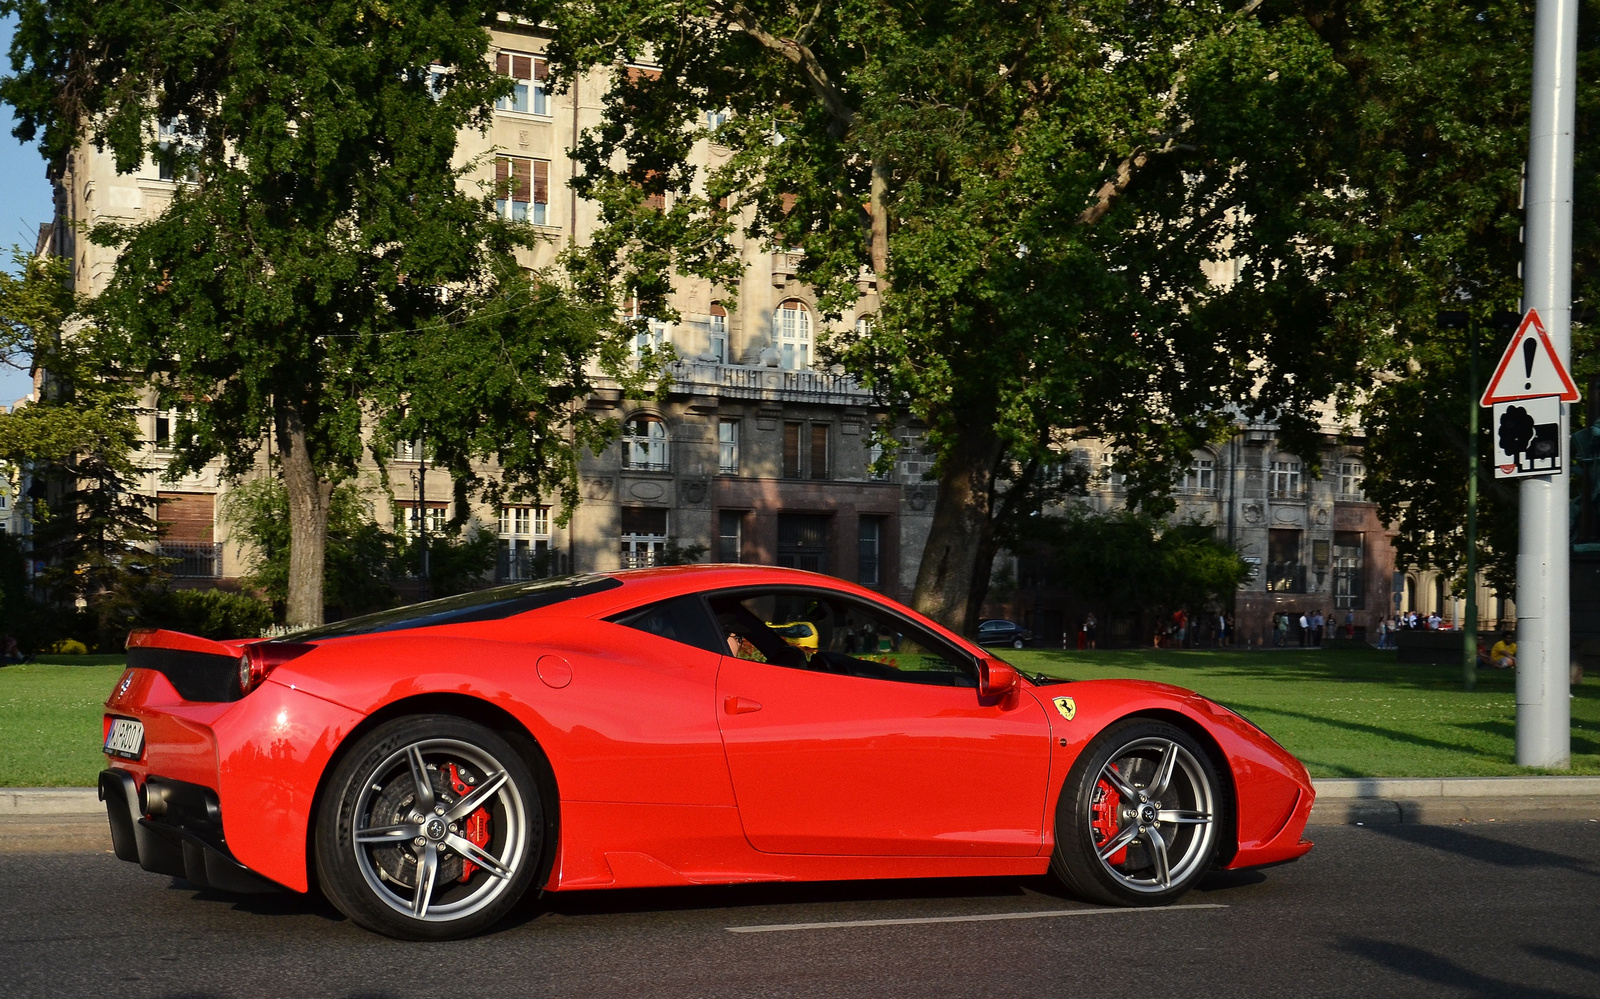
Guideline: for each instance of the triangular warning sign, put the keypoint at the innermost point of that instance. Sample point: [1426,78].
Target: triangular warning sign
[1529,368]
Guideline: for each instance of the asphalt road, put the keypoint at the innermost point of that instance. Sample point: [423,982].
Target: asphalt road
[1473,910]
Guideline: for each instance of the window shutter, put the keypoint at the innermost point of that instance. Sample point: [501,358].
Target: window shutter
[791,450]
[541,182]
[541,68]
[502,64]
[522,67]
[502,177]
[819,451]
[522,171]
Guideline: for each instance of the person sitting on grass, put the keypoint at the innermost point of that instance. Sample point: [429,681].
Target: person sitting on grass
[1504,653]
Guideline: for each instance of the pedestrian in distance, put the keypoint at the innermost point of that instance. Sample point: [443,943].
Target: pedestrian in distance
[1317,623]
[1350,624]
[1504,653]
[1305,630]
[1090,629]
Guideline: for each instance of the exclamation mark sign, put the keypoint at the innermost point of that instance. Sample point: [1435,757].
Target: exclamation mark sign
[1529,349]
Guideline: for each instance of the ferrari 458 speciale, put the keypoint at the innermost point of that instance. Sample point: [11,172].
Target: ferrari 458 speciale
[425,767]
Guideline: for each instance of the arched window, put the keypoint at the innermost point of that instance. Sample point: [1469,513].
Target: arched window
[644,444]
[792,326]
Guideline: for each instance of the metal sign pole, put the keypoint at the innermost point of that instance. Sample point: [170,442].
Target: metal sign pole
[1544,710]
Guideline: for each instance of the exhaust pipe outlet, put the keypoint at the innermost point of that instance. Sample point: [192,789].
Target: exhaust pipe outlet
[153,799]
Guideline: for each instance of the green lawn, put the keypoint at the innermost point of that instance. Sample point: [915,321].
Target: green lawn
[1350,712]
[50,720]
[1346,713]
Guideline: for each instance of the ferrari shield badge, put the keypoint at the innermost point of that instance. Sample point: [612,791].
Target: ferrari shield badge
[1067,708]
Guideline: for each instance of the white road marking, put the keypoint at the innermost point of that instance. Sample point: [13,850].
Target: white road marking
[985,918]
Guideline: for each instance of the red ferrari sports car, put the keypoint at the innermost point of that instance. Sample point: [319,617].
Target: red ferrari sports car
[424,767]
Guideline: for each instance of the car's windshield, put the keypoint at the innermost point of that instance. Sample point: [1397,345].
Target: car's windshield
[481,605]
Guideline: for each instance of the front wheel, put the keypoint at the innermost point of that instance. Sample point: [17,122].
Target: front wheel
[1016,643]
[432,829]
[1138,816]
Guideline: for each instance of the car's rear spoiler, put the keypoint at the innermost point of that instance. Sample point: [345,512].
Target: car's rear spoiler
[200,669]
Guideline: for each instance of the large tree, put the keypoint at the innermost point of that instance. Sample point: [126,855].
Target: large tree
[327,267]
[1081,218]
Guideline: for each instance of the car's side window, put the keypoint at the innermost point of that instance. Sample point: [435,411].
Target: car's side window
[828,633]
[681,619]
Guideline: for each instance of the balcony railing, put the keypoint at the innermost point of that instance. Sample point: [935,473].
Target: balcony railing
[1286,577]
[192,560]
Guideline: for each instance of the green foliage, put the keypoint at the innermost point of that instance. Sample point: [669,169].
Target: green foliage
[329,261]
[364,561]
[208,613]
[359,555]
[1130,563]
[80,441]
[676,554]
[457,559]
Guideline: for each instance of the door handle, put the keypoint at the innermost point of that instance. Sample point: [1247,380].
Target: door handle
[740,705]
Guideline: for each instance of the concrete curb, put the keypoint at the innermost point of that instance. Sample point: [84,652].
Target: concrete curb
[1447,800]
[49,800]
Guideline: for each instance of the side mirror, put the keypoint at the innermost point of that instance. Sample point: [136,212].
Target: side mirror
[996,678]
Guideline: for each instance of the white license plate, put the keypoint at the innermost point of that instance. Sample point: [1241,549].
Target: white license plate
[126,738]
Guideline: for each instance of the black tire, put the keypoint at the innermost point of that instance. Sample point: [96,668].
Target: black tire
[1016,643]
[374,790]
[1169,834]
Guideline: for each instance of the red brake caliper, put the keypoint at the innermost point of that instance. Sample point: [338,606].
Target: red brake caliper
[1103,818]
[477,825]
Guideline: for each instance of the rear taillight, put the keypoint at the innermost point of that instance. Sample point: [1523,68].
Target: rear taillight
[262,658]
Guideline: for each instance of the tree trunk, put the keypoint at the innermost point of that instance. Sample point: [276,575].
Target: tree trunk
[308,520]
[878,248]
[962,534]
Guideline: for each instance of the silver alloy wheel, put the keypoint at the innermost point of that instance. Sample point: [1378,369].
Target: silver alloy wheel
[432,829]
[1163,808]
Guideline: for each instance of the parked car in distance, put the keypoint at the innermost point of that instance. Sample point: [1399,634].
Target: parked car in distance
[1004,633]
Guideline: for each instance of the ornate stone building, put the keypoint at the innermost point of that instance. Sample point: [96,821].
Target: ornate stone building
[757,453]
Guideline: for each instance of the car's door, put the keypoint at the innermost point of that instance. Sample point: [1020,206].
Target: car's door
[876,743]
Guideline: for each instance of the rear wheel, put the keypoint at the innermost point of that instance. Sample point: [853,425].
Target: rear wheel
[1016,643]
[432,829]
[1138,816]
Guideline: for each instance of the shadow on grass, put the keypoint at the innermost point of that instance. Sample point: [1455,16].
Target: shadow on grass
[1341,665]
[1508,730]
[1393,735]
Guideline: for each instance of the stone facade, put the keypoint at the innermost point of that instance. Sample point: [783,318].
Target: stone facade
[797,491]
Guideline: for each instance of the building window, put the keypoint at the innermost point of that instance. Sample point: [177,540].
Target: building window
[914,462]
[644,536]
[644,444]
[715,120]
[1349,571]
[171,146]
[528,73]
[522,189]
[728,447]
[1284,480]
[819,450]
[791,449]
[730,536]
[793,325]
[805,451]
[1200,476]
[653,335]
[803,541]
[407,521]
[524,543]
[719,334]
[1350,475]
[1285,572]
[874,456]
[870,540]
[1108,471]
